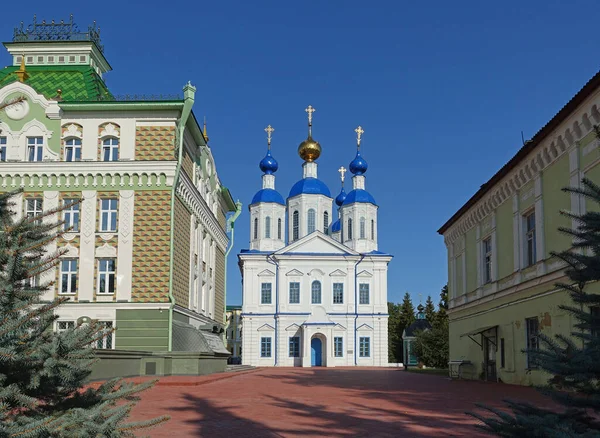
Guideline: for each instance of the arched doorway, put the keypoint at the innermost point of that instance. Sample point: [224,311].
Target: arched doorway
[316,350]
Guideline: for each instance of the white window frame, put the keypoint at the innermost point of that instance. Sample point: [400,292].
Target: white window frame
[36,210]
[295,225]
[35,149]
[530,239]
[110,149]
[295,342]
[266,346]
[71,216]
[336,293]
[264,289]
[105,343]
[487,250]
[313,292]
[372,229]
[349,231]
[326,222]
[338,342]
[63,326]
[268,227]
[361,291]
[3,148]
[108,214]
[311,221]
[106,273]
[68,276]
[362,228]
[364,346]
[279,228]
[72,145]
[255,228]
[293,283]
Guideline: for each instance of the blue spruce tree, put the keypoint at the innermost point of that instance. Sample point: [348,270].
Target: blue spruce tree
[42,373]
[573,362]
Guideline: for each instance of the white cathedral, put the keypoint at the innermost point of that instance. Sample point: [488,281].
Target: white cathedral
[316,295]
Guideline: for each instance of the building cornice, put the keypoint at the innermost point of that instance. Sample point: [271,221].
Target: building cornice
[89,175]
[191,197]
[549,145]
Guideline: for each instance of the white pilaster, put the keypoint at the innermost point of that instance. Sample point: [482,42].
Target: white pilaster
[87,262]
[540,235]
[358,182]
[125,248]
[517,226]
[50,202]
[479,249]
[494,248]
[309,170]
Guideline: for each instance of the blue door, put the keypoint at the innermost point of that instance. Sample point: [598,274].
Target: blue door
[315,352]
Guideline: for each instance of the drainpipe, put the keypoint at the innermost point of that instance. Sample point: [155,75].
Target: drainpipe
[189,92]
[362,256]
[272,260]
[230,223]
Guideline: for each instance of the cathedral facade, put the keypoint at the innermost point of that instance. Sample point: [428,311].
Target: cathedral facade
[314,280]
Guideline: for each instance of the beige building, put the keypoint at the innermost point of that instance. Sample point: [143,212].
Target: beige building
[501,275]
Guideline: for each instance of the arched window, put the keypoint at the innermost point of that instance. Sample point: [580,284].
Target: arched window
[268,227]
[73,149]
[110,149]
[372,229]
[311,221]
[349,231]
[255,228]
[325,222]
[316,292]
[279,228]
[295,225]
[362,228]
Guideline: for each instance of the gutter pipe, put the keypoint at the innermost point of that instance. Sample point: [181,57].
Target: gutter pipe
[231,224]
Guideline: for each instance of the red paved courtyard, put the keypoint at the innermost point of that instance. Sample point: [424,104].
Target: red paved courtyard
[295,402]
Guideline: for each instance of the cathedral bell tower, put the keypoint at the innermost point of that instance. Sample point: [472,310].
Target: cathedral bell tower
[267,209]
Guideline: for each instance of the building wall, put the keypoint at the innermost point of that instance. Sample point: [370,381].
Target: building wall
[155,143]
[141,329]
[219,284]
[181,262]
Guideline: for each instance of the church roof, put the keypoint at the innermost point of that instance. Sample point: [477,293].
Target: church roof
[267,195]
[309,186]
[336,226]
[359,195]
[418,325]
[77,82]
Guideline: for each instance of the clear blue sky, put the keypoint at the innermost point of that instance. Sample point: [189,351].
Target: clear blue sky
[442,90]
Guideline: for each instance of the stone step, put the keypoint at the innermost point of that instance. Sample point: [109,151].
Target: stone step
[237,368]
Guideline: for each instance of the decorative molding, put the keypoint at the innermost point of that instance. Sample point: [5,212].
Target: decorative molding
[365,327]
[294,273]
[265,327]
[69,236]
[110,130]
[338,273]
[266,273]
[292,328]
[364,274]
[70,251]
[316,272]
[552,148]
[72,130]
[106,251]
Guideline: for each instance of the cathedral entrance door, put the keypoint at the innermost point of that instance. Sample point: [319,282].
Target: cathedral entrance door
[315,352]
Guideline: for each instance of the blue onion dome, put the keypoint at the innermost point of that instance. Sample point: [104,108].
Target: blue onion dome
[310,186]
[359,195]
[339,200]
[336,227]
[358,166]
[268,195]
[269,164]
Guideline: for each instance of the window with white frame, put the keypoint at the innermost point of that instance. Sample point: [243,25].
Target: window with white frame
[311,220]
[295,225]
[2,148]
[265,347]
[295,292]
[35,148]
[338,293]
[372,229]
[363,227]
[71,215]
[338,346]
[316,292]
[363,293]
[110,149]
[279,228]
[294,346]
[349,231]
[107,276]
[72,150]
[33,207]
[108,214]
[63,326]
[266,293]
[487,260]
[255,228]
[106,342]
[68,276]
[364,346]
[326,222]
[268,227]
[530,240]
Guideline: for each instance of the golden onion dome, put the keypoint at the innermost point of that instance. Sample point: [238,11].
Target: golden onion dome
[309,150]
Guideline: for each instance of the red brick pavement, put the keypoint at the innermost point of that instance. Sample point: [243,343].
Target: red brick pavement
[335,402]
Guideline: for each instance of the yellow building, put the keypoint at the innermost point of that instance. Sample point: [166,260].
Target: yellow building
[501,276]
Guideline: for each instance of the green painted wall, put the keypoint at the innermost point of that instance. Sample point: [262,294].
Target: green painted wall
[471,249]
[592,156]
[504,239]
[145,330]
[594,175]
[529,190]
[553,180]
[459,277]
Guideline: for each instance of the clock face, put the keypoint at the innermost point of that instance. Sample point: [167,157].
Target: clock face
[17,110]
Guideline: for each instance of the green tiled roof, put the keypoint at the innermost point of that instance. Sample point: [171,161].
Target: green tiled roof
[77,82]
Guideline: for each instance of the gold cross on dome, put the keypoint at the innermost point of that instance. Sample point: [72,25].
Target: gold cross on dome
[269,130]
[342,171]
[359,132]
[310,110]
